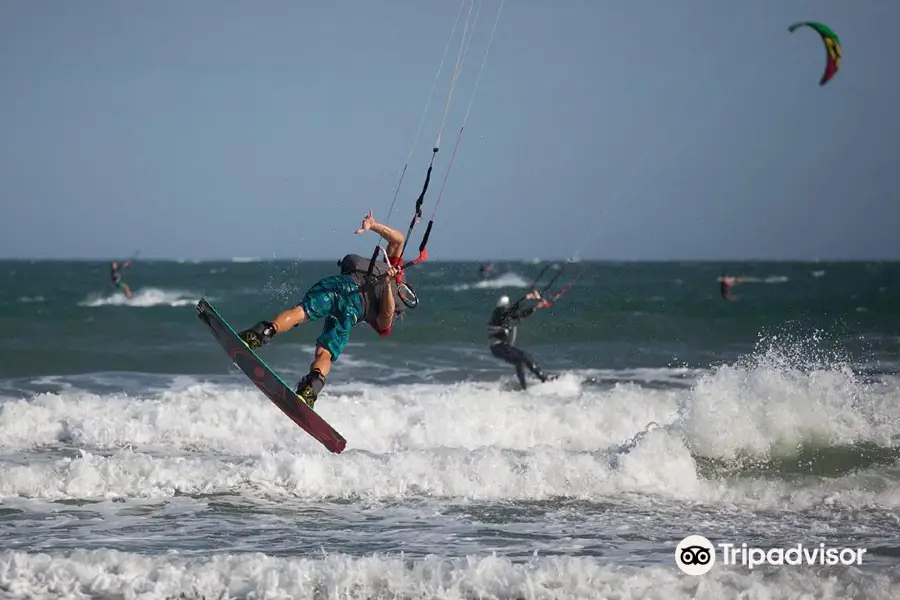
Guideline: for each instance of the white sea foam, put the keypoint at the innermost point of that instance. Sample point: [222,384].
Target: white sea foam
[108,574]
[143,298]
[507,280]
[468,440]
[767,279]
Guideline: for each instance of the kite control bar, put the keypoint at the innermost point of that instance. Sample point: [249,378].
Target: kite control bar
[544,289]
[559,294]
[407,294]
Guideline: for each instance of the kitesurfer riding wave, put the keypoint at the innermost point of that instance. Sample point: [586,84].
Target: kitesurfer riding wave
[502,329]
[115,276]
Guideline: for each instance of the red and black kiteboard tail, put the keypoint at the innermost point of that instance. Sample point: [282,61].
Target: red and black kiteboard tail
[267,381]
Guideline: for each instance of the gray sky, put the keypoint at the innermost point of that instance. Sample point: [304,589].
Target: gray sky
[693,129]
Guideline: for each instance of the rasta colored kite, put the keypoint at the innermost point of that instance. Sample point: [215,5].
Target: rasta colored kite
[832,46]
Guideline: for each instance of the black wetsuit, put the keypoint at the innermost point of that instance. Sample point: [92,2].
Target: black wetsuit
[502,335]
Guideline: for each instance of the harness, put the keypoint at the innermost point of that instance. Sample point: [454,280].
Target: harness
[373,272]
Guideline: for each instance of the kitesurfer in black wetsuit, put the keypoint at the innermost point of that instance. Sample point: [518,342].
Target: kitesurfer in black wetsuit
[502,335]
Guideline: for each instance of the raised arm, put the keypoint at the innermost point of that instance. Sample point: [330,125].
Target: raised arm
[393,237]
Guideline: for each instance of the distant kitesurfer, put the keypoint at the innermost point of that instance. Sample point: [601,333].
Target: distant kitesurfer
[725,285]
[484,269]
[115,276]
[502,329]
[343,301]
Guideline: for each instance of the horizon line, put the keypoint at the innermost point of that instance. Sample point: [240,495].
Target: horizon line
[250,260]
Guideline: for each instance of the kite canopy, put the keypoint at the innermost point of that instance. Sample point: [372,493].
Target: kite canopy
[832,47]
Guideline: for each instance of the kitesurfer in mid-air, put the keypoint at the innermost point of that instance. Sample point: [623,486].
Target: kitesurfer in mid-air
[115,276]
[343,300]
[502,329]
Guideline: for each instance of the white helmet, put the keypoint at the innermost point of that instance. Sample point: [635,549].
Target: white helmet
[503,301]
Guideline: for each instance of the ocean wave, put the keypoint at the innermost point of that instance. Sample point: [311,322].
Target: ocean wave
[659,467]
[742,434]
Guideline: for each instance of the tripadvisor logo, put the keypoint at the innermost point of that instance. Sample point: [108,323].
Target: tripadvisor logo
[695,555]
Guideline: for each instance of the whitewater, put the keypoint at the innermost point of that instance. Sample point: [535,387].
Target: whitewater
[537,493]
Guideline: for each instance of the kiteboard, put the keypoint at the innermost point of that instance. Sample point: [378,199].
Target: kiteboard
[268,382]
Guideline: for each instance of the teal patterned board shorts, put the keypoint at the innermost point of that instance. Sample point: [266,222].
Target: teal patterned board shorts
[337,300]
